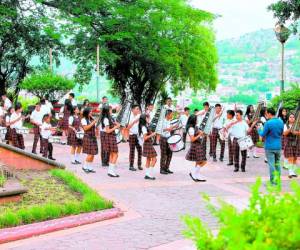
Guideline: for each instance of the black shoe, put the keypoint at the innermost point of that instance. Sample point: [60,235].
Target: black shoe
[195,180]
[169,171]
[73,162]
[155,144]
[51,158]
[243,170]
[77,162]
[248,156]
[131,168]
[294,175]
[236,170]
[230,164]
[221,159]
[266,161]
[149,178]
[91,170]
[140,168]
[255,156]
[215,159]
[163,172]
[105,164]
[86,170]
[113,176]
[33,152]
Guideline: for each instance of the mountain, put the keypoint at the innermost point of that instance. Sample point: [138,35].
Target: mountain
[250,66]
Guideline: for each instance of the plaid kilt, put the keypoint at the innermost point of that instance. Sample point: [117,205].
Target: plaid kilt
[110,143]
[290,150]
[283,142]
[64,123]
[8,134]
[196,152]
[45,147]
[254,135]
[17,139]
[89,145]
[148,149]
[36,130]
[72,140]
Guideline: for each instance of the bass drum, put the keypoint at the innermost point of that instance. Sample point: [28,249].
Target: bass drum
[175,143]
[245,143]
[119,136]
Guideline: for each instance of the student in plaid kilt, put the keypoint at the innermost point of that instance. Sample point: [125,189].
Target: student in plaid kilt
[110,145]
[254,134]
[196,152]
[165,151]
[72,140]
[200,116]
[227,126]
[215,137]
[8,138]
[65,111]
[147,137]
[89,141]
[46,130]
[133,127]
[292,145]
[16,122]
[36,118]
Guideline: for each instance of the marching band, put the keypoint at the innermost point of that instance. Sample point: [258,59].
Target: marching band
[144,130]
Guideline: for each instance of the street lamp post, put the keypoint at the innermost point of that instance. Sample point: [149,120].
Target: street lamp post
[282,34]
[98,74]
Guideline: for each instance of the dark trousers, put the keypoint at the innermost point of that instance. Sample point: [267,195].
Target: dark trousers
[184,137]
[36,139]
[166,154]
[104,155]
[236,155]
[134,143]
[215,137]
[230,151]
[17,139]
[47,148]
[210,145]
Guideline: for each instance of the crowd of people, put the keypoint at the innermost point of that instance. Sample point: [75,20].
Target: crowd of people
[81,130]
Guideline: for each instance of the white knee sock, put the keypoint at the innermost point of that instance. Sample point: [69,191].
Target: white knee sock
[73,158]
[85,165]
[152,171]
[254,152]
[148,172]
[194,172]
[77,157]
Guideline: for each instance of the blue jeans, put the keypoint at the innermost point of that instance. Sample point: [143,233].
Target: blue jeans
[273,157]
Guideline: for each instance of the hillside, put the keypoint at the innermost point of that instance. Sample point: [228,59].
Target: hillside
[249,67]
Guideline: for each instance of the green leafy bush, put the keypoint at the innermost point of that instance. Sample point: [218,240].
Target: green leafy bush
[26,102]
[271,222]
[45,82]
[91,201]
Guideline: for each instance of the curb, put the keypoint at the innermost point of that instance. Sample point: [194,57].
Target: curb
[39,228]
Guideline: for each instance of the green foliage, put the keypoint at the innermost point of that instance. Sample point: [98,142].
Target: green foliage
[26,102]
[91,202]
[2,180]
[290,98]
[271,222]
[196,104]
[45,82]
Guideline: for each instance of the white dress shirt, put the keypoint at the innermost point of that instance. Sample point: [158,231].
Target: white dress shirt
[49,105]
[166,124]
[37,117]
[45,109]
[134,130]
[239,130]
[106,123]
[7,103]
[18,124]
[45,131]
[227,122]
[183,118]
[218,122]
[74,103]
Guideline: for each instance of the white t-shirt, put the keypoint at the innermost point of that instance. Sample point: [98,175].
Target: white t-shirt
[134,130]
[191,131]
[166,124]
[45,133]
[170,108]
[183,118]
[45,109]
[2,112]
[73,102]
[37,117]
[71,120]
[239,130]
[218,123]
[7,104]
[49,105]
[285,127]
[105,122]
[18,124]
[83,122]
[144,131]
[7,120]
[227,122]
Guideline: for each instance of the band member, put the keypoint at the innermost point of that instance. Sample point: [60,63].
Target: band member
[239,129]
[201,115]
[16,122]
[36,119]
[215,137]
[196,152]
[72,99]
[133,127]
[72,140]
[254,134]
[104,102]
[148,149]
[85,104]
[166,153]
[283,115]
[150,111]
[8,136]
[292,145]
[227,126]
[104,153]
[65,111]
[169,104]
[46,109]
[183,119]
[89,141]
[110,141]
[46,131]
[7,102]
[48,103]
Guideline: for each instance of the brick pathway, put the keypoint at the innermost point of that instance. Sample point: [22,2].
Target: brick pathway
[153,209]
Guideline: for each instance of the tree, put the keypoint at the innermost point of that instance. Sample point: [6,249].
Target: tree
[145,44]
[287,11]
[45,82]
[24,34]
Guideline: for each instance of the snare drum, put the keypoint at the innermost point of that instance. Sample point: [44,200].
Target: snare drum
[55,139]
[175,143]
[245,143]
[79,134]
[22,131]
[118,136]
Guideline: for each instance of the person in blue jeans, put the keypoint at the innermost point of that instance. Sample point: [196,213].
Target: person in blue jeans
[272,132]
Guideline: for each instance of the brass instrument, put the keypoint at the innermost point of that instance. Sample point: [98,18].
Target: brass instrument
[296,125]
[256,115]
[207,121]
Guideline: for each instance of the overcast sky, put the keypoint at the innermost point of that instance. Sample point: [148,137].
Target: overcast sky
[238,16]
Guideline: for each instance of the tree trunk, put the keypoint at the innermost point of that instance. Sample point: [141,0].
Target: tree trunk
[2,87]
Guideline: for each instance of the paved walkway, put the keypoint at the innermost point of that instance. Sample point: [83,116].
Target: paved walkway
[153,209]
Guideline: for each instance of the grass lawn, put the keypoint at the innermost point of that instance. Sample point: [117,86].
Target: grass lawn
[52,194]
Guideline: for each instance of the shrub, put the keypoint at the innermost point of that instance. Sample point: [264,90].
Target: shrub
[272,221]
[26,102]
[45,82]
